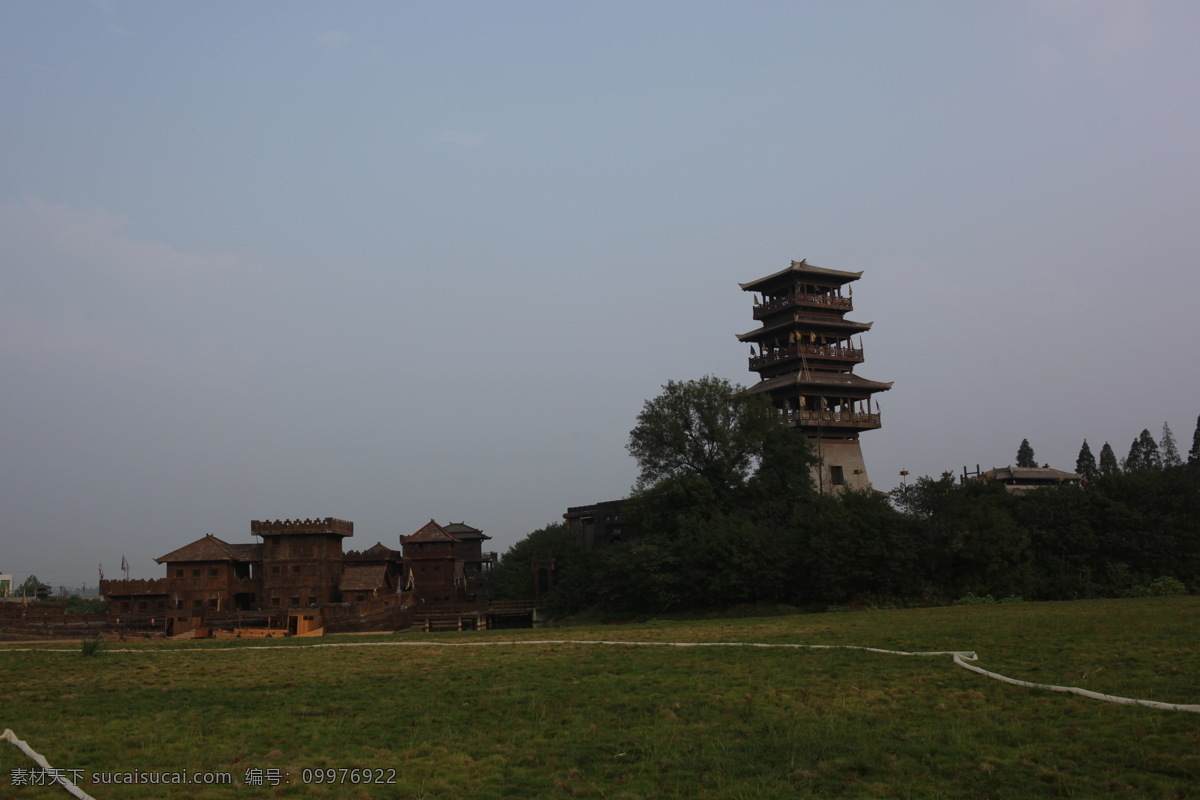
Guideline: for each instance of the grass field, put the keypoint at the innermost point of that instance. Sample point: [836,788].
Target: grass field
[619,721]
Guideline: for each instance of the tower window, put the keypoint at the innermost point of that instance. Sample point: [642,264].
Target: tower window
[837,475]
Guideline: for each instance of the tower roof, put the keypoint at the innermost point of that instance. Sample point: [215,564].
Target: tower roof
[430,532]
[210,548]
[822,380]
[802,269]
[798,321]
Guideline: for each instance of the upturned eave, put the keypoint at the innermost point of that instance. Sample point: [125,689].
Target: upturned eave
[804,323]
[804,269]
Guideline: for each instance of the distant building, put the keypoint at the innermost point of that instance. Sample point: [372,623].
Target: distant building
[446,564]
[370,573]
[302,561]
[1019,480]
[805,354]
[598,524]
[6,585]
[300,567]
[204,577]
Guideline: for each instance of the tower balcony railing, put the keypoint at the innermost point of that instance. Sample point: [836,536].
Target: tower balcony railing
[834,419]
[803,299]
[853,354]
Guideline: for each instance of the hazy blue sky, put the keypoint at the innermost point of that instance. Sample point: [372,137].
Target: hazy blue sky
[394,261]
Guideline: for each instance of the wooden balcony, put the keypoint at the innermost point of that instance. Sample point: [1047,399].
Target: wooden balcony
[803,300]
[846,420]
[853,355]
[244,585]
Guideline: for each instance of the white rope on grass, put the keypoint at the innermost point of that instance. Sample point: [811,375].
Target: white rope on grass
[58,776]
[1195,709]
[961,657]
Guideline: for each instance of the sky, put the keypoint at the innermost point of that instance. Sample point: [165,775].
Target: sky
[391,261]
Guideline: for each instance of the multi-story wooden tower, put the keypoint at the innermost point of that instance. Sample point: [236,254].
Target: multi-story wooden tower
[804,355]
[302,560]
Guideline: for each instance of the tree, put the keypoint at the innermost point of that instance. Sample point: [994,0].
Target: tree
[1194,453]
[1143,453]
[707,428]
[549,564]
[782,491]
[1150,456]
[1025,456]
[1168,449]
[1133,461]
[1108,461]
[28,587]
[1085,465]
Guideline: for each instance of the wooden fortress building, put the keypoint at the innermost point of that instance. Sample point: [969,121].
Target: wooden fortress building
[805,354]
[300,577]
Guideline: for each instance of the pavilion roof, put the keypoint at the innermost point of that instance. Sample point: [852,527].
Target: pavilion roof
[802,269]
[463,531]
[1035,474]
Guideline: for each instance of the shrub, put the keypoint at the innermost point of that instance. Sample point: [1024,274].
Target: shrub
[1164,586]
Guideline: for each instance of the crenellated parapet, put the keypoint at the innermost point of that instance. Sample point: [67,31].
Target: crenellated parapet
[341,527]
[373,554]
[133,586]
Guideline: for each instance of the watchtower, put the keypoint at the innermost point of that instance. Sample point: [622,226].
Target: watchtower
[805,355]
[302,560]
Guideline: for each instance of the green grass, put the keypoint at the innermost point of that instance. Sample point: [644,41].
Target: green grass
[570,720]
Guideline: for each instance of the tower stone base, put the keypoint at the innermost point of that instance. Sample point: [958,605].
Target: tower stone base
[840,466]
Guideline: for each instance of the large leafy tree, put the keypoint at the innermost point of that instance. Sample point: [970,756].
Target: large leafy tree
[1108,461]
[1085,464]
[707,428]
[1168,449]
[1025,457]
[722,502]
[782,490]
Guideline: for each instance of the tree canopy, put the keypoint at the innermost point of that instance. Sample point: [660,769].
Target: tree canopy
[725,513]
[708,428]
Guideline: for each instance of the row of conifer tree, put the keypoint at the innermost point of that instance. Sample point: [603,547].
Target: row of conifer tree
[1144,454]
